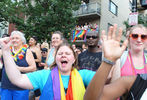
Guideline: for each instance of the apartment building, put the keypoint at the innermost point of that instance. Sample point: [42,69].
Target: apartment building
[114,11]
[104,13]
[3,29]
[142,6]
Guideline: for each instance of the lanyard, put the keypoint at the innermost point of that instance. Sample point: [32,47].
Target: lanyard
[133,67]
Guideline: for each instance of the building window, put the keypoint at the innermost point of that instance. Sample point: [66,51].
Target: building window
[113,7]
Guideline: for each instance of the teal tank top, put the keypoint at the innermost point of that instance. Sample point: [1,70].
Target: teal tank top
[51,57]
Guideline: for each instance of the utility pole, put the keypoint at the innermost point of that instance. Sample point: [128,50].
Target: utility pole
[133,17]
[134,5]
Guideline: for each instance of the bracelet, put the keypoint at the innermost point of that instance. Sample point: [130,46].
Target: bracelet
[108,61]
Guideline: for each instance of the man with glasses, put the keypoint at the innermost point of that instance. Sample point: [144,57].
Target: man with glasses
[43,58]
[91,58]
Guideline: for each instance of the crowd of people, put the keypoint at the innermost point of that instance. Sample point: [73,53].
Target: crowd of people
[86,26]
[66,72]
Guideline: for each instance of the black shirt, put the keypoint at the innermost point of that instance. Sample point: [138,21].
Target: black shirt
[138,88]
[89,60]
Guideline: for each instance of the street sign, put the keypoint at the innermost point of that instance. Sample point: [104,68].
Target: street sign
[133,18]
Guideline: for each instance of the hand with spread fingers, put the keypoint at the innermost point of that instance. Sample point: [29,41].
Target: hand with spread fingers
[112,51]
[111,43]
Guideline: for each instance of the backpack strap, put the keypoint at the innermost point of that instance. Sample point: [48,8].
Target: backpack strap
[123,58]
[145,54]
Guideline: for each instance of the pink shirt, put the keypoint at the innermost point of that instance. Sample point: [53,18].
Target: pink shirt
[127,69]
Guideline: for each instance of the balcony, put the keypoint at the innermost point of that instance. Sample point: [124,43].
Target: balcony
[141,8]
[90,9]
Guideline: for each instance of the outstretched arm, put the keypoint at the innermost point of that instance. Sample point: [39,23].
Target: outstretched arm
[14,75]
[116,89]
[112,51]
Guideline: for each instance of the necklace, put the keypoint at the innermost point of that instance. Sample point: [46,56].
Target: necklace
[20,54]
[133,67]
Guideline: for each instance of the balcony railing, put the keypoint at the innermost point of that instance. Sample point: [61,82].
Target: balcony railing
[88,9]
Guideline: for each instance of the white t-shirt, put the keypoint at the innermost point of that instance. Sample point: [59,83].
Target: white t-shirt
[144,96]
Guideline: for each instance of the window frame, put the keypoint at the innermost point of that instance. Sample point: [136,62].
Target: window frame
[111,4]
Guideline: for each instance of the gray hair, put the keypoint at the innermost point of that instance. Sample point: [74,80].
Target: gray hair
[21,35]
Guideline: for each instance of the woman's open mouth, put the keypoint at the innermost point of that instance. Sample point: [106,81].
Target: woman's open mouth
[64,63]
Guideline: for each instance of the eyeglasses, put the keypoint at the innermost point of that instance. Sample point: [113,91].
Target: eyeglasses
[135,36]
[94,37]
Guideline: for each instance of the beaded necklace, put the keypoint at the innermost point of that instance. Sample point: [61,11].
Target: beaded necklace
[20,54]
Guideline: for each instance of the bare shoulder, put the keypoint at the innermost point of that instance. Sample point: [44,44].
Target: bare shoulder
[28,51]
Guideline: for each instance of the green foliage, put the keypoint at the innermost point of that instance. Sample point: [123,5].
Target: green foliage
[41,17]
[142,19]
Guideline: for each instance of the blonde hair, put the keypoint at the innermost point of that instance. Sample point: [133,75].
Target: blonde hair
[137,26]
[45,45]
[130,30]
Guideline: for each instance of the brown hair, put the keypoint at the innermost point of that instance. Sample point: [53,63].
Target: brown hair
[75,55]
[60,33]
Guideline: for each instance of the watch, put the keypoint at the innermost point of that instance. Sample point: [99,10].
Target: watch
[108,61]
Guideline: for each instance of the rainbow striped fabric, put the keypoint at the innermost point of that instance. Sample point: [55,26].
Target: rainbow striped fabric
[76,88]
[80,33]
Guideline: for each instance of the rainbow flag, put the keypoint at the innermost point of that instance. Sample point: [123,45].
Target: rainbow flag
[80,33]
[74,34]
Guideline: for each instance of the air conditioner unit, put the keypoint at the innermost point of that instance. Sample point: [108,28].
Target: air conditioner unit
[143,3]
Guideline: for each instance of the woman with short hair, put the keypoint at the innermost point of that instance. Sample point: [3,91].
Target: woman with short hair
[23,58]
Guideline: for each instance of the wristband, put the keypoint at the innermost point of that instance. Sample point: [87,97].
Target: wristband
[108,61]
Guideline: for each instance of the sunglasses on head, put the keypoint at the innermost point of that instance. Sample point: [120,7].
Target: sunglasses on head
[135,36]
[94,37]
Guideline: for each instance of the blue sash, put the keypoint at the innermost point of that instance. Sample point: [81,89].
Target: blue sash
[47,93]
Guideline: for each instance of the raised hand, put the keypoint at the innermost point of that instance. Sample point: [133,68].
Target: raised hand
[5,43]
[111,43]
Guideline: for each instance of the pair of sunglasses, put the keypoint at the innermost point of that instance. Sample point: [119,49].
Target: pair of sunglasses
[135,36]
[43,52]
[94,37]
